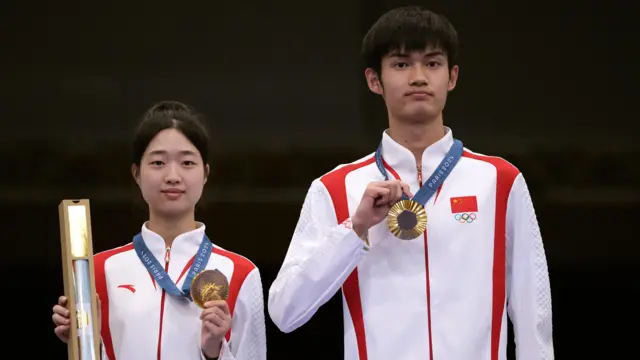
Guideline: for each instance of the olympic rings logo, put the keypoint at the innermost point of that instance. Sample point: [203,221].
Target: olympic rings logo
[465,218]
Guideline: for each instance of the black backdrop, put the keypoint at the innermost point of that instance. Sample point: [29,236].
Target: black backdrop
[545,85]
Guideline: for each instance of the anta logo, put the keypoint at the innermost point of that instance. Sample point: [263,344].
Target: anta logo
[464,209]
[131,288]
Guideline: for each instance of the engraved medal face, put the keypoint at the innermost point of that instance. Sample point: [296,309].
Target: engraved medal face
[209,285]
[407,219]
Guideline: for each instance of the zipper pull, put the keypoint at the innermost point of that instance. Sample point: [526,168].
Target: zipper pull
[419,168]
[167,254]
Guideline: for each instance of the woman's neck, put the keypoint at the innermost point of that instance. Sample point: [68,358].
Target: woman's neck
[171,227]
[416,136]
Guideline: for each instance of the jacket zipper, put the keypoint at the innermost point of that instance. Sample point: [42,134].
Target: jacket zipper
[167,257]
[426,256]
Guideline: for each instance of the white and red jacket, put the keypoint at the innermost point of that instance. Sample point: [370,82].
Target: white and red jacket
[442,296]
[140,321]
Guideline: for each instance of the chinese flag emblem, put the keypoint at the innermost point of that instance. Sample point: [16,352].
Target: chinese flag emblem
[464,204]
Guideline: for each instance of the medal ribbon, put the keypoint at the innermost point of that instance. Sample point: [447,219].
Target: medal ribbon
[436,179]
[160,275]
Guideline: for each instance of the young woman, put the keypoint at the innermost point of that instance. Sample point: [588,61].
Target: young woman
[145,314]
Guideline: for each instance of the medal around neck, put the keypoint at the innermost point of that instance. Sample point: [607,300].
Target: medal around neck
[407,219]
[209,285]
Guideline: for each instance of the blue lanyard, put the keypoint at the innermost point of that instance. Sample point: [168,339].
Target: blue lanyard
[160,275]
[436,179]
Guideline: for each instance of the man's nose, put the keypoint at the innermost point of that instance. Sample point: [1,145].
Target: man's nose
[418,76]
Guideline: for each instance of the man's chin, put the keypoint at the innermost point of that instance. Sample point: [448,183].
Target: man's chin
[420,116]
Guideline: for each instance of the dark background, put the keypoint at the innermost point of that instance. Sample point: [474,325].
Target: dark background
[547,85]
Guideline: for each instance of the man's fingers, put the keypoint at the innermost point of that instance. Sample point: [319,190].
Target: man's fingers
[397,193]
[400,189]
[377,191]
[381,202]
[379,194]
[406,189]
[403,189]
[388,192]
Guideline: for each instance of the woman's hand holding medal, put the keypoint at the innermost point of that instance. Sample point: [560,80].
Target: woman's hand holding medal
[216,322]
[209,291]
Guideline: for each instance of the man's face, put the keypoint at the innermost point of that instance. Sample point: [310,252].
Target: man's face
[414,85]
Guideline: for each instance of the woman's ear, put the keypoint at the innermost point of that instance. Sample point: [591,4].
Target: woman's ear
[135,172]
[207,170]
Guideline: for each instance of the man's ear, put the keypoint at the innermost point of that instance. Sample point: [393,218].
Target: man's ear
[453,77]
[373,81]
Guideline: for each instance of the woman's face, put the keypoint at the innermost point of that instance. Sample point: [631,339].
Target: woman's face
[171,174]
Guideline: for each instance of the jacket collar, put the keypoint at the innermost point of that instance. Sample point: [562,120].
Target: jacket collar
[184,245]
[403,161]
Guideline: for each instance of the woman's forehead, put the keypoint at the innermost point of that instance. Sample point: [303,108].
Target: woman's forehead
[171,141]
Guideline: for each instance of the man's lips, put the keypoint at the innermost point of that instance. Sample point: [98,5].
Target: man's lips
[419,93]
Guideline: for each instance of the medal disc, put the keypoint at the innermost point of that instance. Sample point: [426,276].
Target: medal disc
[209,285]
[407,219]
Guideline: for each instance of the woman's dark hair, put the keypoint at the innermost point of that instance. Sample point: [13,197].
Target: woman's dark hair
[170,115]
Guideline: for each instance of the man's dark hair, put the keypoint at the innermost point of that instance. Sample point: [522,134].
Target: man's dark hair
[409,29]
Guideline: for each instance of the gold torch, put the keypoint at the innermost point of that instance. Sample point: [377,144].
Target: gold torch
[79,280]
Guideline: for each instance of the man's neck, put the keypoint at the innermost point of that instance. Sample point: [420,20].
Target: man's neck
[416,136]
[170,228]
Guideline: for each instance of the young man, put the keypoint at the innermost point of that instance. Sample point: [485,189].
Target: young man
[440,290]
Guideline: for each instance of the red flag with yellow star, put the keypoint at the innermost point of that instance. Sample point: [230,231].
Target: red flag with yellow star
[463,204]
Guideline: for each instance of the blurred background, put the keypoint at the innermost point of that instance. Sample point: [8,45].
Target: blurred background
[546,85]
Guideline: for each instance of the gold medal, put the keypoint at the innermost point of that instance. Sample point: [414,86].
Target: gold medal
[209,285]
[407,219]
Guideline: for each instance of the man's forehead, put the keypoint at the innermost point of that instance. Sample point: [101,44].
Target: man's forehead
[426,52]
[173,151]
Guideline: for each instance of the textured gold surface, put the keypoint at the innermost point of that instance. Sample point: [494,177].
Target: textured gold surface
[82,319]
[77,217]
[209,285]
[404,232]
